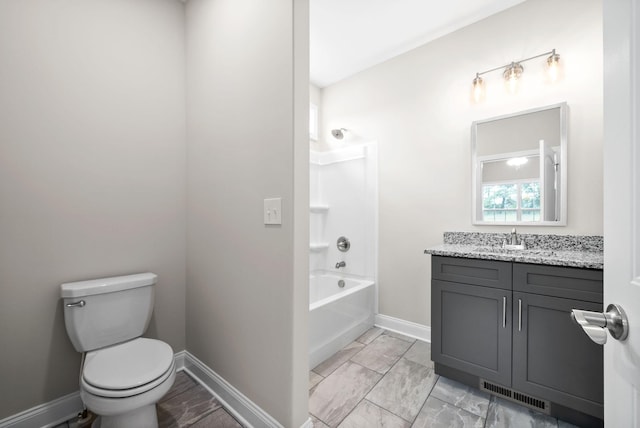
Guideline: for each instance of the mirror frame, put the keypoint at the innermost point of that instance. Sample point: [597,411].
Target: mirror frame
[475,171]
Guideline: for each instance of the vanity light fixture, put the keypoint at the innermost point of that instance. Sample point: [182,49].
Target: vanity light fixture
[513,71]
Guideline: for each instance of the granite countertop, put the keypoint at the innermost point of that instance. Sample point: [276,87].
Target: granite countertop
[557,250]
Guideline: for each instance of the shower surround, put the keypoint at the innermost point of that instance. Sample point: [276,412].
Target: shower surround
[344,203]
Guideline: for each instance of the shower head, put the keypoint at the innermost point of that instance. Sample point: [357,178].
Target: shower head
[338,134]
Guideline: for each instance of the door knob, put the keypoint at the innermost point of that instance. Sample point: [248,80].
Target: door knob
[596,324]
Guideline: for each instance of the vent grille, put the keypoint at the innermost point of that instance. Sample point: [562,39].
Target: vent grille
[515,396]
[497,389]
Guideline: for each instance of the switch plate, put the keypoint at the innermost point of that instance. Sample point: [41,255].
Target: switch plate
[273,211]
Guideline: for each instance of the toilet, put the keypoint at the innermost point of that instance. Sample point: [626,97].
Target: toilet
[123,375]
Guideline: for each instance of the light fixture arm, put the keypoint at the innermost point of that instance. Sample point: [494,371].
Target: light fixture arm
[502,67]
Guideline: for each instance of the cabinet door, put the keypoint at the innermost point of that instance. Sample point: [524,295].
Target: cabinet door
[471,329]
[552,357]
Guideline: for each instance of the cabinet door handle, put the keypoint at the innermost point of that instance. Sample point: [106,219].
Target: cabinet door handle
[519,314]
[504,312]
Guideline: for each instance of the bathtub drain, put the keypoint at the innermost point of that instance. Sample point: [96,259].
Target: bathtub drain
[341,283]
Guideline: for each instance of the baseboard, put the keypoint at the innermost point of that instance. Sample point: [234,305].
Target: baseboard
[180,358]
[408,328]
[244,410]
[46,415]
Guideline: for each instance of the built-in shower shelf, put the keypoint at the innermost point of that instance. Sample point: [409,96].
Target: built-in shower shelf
[318,246]
[319,209]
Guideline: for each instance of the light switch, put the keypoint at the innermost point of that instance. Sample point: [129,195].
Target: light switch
[273,211]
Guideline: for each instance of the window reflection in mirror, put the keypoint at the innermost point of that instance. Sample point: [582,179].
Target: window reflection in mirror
[519,164]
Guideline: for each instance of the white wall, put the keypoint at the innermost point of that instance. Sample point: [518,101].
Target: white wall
[418,106]
[315,97]
[92,174]
[248,105]
[93,182]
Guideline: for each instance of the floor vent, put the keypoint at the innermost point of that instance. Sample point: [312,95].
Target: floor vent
[515,396]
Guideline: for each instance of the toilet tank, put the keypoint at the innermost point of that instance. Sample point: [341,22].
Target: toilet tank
[103,312]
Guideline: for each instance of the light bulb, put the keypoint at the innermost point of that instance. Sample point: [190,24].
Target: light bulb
[511,75]
[553,66]
[512,84]
[478,89]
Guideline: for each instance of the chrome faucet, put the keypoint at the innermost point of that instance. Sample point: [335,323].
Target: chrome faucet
[340,264]
[513,242]
[514,237]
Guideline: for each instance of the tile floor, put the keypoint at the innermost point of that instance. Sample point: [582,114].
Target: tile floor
[382,379]
[385,379]
[187,404]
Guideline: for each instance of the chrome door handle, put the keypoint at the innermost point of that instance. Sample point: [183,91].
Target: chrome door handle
[596,324]
[78,304]
[504,312]
[519,314]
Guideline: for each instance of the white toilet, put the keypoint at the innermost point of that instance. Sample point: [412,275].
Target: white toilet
[123,375]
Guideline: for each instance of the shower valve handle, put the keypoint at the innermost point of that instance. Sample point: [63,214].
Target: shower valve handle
[343,244]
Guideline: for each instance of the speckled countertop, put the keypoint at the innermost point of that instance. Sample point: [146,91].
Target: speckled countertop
[558,250]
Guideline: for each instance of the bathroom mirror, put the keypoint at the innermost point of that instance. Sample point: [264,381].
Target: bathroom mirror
[519,164]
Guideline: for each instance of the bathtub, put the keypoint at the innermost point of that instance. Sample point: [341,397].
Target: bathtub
[337,315]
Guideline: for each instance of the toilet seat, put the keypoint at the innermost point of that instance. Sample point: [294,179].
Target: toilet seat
[127,369]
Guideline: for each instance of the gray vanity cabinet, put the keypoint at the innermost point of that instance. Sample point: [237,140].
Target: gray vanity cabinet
[472,317]
[510,323]
[552,357]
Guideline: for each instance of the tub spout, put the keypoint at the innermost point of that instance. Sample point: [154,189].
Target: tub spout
[340,264]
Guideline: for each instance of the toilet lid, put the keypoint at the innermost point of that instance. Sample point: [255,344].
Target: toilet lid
[127,365]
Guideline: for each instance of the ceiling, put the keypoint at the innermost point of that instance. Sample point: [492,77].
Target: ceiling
[348,36]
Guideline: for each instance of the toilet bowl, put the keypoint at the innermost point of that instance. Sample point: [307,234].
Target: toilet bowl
[122,383]
[123,374]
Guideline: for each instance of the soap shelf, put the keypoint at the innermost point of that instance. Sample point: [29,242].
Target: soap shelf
[318,246]
[319,209]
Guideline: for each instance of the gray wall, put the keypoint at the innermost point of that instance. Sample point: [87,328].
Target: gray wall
[418,107]
[247,292]
[92,173]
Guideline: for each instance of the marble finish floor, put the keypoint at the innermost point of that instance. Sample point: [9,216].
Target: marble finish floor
[384,379]
[187,404]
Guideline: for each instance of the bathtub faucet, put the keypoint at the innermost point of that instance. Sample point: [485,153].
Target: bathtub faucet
[340,264]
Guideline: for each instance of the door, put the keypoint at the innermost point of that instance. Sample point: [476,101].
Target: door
[621,26]
[471,329]
[569,371]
